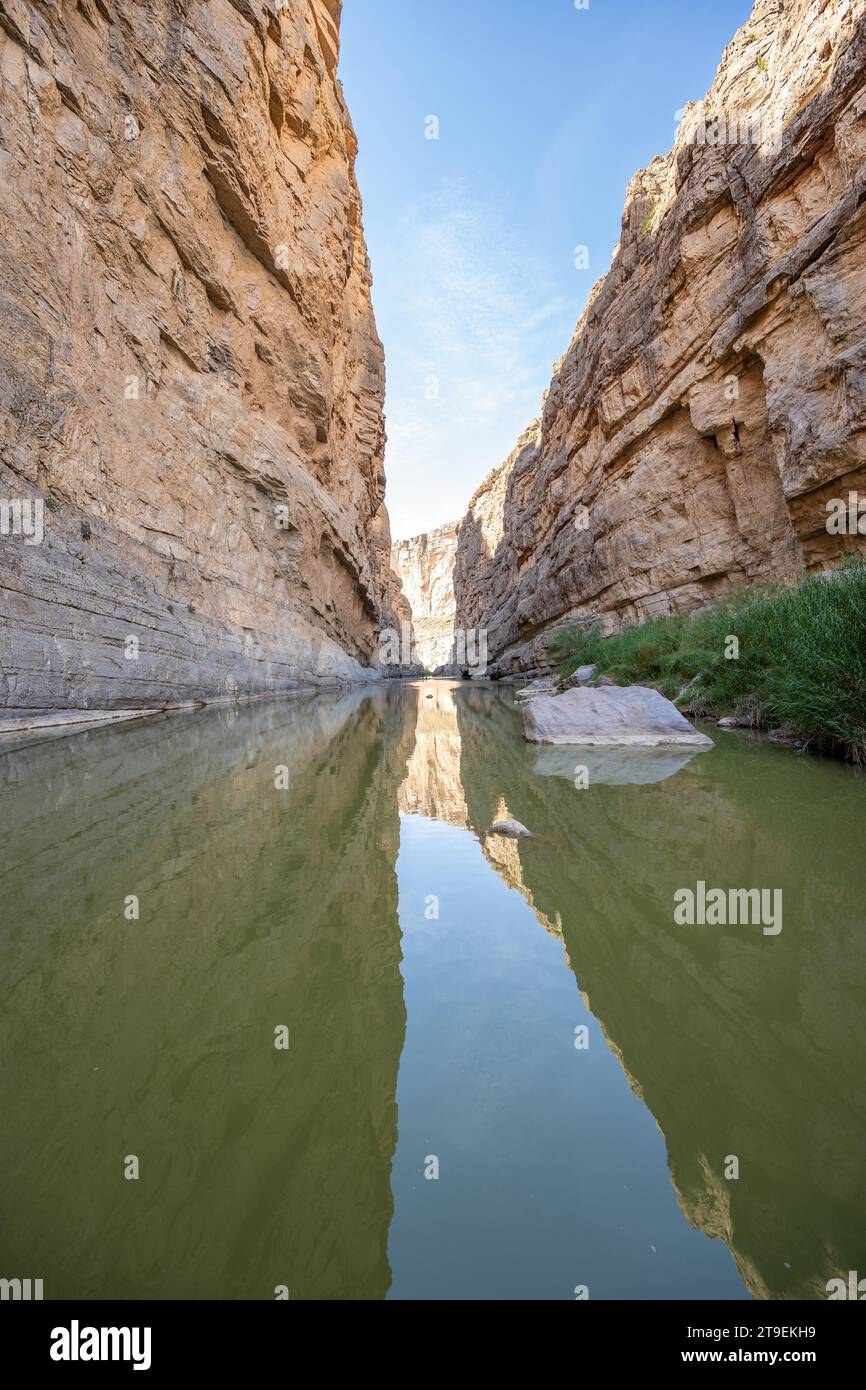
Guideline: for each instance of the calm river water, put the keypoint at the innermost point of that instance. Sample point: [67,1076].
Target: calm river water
[356,1048]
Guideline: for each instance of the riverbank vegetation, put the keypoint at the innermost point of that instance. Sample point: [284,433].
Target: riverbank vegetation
[800,668]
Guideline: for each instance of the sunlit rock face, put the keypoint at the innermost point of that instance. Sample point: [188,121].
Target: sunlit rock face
[425,566]
[191,381]
[712,400]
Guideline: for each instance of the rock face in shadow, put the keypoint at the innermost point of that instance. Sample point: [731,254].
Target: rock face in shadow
[740,1045]
[155,1037]
[712,400]
[191,381]
[425,566]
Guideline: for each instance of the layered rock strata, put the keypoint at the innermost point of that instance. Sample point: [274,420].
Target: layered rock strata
[191,382]
[713,399]
[425,567]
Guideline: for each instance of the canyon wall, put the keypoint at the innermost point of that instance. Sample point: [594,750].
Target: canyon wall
[425,568]
[191,382]
[713,398]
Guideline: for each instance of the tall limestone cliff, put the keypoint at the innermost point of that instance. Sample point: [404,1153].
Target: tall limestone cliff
[713,399]
[425,566]
[191,382]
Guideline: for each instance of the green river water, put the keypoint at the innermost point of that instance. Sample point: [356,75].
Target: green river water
[440,1125]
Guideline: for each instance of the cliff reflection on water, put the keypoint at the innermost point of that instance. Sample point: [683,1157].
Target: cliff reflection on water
[156,1037]
[739,1044]
[261,908]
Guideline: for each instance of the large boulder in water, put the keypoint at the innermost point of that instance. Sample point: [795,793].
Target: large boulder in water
[610,717]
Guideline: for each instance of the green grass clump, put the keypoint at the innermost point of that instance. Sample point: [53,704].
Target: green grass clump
[801,666]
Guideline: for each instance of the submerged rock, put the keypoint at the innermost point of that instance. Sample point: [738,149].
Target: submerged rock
[535,689]
[512,829]
[787,738]
[630,717]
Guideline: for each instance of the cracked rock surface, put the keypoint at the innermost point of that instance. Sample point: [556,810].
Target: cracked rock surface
[191,380]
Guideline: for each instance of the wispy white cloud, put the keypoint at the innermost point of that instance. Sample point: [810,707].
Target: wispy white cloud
[472,330]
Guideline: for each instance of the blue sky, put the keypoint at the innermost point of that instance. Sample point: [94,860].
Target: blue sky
[545,111]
